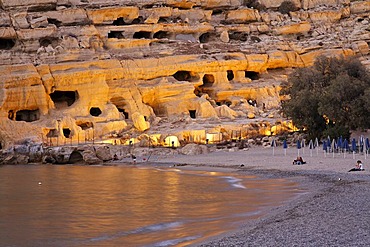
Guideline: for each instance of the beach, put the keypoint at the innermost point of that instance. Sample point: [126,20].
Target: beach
[334,211]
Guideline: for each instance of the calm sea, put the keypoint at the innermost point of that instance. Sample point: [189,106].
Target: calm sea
[128,206]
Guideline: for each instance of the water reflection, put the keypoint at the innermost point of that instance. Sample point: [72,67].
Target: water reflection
[126,206]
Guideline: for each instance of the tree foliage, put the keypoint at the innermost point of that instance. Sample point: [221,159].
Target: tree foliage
[331,97]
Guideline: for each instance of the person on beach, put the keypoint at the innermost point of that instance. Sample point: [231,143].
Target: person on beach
[299,161]
[359,167]
[133,158]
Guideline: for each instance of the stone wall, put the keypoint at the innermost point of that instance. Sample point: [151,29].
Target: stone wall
[69,67]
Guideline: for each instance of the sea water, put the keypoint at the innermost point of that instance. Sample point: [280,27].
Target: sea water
[47,205]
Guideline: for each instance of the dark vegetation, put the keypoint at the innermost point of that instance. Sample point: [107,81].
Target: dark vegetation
[286,7]
[330,98]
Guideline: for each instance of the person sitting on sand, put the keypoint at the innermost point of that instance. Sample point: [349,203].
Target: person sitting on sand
[299,161]
[359,167]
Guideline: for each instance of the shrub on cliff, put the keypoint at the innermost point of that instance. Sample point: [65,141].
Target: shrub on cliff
[330,98]
[254,4]
[286,7]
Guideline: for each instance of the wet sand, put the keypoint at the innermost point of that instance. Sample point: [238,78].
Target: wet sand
[333,212]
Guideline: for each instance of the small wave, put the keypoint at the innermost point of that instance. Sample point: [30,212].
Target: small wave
[145,229]
[235,182]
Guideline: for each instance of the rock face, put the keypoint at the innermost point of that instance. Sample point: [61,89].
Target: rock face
[93,69]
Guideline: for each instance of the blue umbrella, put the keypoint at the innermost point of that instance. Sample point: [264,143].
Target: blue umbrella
[324,147]
[298,146]
[354,147]
[339,144]
[345,145]
[367,143]
[310,146]
[273,145]
[328,144]
[285,146]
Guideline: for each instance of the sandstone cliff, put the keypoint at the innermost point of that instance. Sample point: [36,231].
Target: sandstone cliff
[73,70]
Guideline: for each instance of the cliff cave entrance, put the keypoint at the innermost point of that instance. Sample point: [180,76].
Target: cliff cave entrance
[85,125]
[238,36]
[75,157]
[27,115]
[119,22]
[6,44]
[230,75]
[252,75]
[67,132]
[192,113]
[142,35]
[183,75]
[138,20]
[55,22]
[120,103]
[63,99]
[204,38]
[116,34]
[161,35]
[95,111]
[124,112]
[208,80]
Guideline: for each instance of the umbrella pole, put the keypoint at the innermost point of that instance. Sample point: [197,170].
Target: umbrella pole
[284,151]
[353,154]
[311,152]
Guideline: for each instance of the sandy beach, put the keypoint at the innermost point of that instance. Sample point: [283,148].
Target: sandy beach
[333,212]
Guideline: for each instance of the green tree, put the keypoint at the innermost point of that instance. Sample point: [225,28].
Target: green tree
[329,98]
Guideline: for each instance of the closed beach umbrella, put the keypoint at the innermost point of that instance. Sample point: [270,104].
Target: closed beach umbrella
[328,144]
[354,147]
[310,146]
[367,147]
[345,147]
[273,145]
[317,146]
[285,146]
[339,144]
[298,146]
[324,147]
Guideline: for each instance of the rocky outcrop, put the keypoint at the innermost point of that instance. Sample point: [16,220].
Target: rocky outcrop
[99,70]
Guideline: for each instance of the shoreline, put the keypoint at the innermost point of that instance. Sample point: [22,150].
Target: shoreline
[333,211]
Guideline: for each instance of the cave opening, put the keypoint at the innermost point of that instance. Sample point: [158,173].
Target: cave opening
[67,132]
[163,20]
[138,20]
[11,114]
[252,75]
[119,22]
[238,36]
[56,22]
[230,75]
[192,113]
[161,35]
[85,125]
[45,42]
[27,115]
[217,12]
[208,80]
[95,111]
[142,35]
[116,34]
[75,157]
[63,99]
[6,44]
[184,75]
[124,112]
[204,38]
